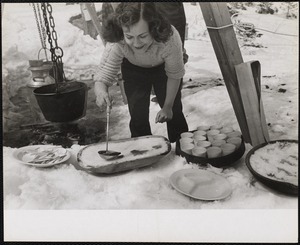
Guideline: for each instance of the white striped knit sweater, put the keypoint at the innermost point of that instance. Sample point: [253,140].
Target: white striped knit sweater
[169,53]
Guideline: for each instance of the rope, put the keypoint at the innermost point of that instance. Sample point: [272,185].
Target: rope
[249,27]
[243,27]
[219,27]
[278,33]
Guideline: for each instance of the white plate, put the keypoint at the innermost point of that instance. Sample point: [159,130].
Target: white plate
[27,154]
[201,184]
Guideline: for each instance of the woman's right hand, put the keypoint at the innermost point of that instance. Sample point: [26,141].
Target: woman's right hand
[103,98]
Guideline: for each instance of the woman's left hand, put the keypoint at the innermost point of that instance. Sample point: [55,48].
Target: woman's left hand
[164,115]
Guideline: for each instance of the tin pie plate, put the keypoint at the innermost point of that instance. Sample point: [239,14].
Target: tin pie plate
[201,184]
[41,156]
[275,164]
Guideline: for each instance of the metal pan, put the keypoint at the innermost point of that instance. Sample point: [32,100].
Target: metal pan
[280,186]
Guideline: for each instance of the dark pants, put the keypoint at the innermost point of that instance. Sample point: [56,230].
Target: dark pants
[138,82]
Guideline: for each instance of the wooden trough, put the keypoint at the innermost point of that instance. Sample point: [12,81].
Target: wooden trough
[137,152]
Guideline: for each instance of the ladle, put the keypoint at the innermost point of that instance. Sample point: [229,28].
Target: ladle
[109,155]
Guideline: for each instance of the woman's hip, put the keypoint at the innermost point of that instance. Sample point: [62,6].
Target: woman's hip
[131,72]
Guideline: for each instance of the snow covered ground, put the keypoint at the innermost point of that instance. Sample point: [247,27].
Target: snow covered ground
[65,188]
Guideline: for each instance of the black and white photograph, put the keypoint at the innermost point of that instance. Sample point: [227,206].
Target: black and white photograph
[150,121]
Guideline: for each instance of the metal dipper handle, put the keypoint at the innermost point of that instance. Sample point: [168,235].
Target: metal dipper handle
[107,125]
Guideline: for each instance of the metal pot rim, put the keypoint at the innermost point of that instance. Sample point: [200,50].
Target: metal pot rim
[36,91]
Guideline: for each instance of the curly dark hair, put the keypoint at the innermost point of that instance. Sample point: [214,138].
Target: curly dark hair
[129,13]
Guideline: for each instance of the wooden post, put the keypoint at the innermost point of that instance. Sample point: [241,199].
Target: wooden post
[2,9]
[223,38]
[93,14]
[84,18]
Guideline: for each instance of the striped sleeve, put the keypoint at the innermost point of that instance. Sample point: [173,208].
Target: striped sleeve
[110,63]
[173,56]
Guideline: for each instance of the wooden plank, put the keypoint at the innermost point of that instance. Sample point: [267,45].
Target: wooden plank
[252,102]
[256,71]
[216,15]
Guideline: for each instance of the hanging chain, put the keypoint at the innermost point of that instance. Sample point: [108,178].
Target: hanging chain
[39,26]
[56,51]
[42,25]
[47,27]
